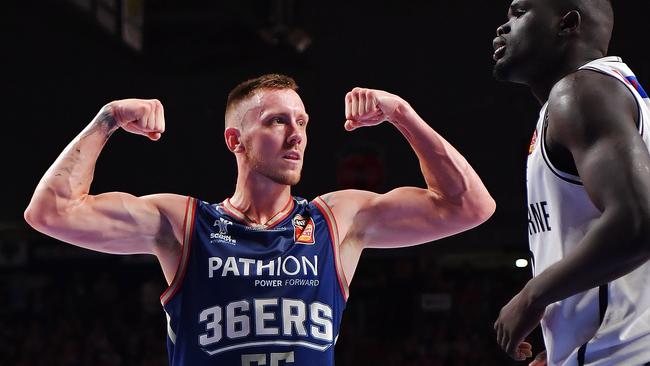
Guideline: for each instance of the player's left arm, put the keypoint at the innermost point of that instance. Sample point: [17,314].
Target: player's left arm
[454,200]
[593,117]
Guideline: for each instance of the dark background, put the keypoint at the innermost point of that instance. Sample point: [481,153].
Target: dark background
[68,306]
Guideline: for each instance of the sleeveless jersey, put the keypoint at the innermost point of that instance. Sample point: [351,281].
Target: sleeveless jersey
[242,295]
[609,325]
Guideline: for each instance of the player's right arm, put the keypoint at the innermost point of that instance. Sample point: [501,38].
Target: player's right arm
[115,222]
[593,121]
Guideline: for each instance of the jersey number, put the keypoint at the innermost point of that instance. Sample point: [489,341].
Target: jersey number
[260,359]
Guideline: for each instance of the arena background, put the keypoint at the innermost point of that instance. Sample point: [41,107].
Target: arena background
[428,305]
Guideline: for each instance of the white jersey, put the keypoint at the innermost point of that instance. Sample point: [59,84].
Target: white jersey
[608,325]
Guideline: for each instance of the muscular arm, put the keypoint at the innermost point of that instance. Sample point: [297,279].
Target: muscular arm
[593,117]
[455,198]
[592,120]
[115,222]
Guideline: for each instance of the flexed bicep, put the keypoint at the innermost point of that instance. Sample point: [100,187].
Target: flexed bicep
[454,200]
[409,216]
[117,222]
[402,217]
[111,222]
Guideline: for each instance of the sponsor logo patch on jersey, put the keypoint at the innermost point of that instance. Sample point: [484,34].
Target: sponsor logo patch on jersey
[222,235]
[533,141]
[303,230]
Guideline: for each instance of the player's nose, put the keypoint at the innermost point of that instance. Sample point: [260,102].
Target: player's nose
[503,29]
[296,135]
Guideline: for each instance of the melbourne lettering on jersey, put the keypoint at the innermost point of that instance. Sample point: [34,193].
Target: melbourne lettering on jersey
[256,295]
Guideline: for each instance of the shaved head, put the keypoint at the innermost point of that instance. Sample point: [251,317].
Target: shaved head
[266,128]
[597,20]
[544,38]
[249,88]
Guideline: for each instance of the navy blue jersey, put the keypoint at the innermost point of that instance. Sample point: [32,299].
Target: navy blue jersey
[246,295]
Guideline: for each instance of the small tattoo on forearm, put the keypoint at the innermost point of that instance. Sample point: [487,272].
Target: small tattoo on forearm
[63,171]
[104,122]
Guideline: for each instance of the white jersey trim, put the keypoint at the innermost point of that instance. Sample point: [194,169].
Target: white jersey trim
[569,178]
[318,347]
[627,86]
[170,331]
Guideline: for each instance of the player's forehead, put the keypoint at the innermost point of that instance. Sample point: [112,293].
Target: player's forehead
[274,101]
[527,4]
[265,103]
[280,98]
[519,4]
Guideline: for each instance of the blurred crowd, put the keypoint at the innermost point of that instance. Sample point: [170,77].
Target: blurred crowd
[404,310]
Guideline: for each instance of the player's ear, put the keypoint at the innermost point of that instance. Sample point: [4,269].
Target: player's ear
[570,23]
[233,139]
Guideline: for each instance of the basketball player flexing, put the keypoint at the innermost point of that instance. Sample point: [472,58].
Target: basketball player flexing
[260,278]
[588,177]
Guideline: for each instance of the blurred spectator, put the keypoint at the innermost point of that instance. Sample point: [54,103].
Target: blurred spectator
[77,316]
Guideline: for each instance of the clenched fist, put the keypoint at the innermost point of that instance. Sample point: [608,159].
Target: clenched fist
[369,107]
[139,116]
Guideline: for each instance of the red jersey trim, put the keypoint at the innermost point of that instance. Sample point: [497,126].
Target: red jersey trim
[334,233]
[283,214]
[188,228]
[232,211]
[276,219]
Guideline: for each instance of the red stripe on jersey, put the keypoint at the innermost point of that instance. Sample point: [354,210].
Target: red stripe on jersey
[190,214]
[333,228]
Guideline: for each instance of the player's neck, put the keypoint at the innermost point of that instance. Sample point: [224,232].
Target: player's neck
[260,198]
[541,88]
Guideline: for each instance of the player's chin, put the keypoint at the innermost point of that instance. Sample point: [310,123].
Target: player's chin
[288,181]
[293,178]
[293,182]
[287,177]
[514,69]
[502,71]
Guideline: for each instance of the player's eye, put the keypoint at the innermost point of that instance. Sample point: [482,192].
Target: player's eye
[518,13]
